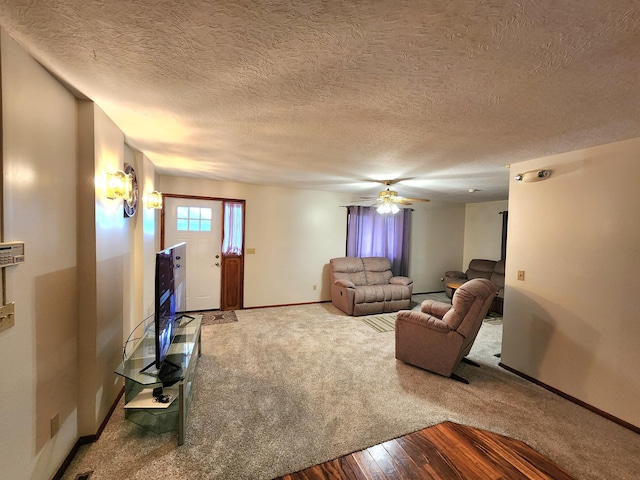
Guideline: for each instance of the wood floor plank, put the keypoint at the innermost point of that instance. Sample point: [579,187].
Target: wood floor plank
[369,467]
[536,462]
[385,462]
[405,461]
[436,460]
[447,451]
[358,474]
[463,453]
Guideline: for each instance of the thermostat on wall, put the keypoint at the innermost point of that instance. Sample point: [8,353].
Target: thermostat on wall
[11,253]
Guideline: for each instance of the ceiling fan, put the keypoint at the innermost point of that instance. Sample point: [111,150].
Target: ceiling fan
[388,200]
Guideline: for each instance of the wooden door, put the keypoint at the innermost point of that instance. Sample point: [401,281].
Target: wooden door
[233,274]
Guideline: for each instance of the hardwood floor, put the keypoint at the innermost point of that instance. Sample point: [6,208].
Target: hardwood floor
[444,451]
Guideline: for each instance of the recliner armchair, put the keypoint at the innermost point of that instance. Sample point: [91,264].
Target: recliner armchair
[439,336]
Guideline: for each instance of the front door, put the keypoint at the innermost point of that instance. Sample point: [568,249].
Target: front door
[198,223]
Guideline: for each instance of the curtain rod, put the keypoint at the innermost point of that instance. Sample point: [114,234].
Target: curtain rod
[366,206]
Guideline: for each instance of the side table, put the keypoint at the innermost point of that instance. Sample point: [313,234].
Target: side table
[453,286]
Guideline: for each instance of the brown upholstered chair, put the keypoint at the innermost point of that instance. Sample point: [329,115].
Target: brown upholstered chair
[439,336]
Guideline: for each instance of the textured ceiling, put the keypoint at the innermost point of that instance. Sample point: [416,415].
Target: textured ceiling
[325,95]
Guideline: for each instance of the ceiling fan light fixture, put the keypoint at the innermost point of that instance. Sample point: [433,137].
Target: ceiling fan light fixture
[387,206]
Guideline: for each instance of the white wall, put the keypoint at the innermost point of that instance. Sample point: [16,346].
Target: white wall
[147,242]
[39,354]
[483,231]
[142,240]
[296,232]
[437,242]
[573,323]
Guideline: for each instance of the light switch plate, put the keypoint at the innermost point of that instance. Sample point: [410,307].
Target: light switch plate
[6,316]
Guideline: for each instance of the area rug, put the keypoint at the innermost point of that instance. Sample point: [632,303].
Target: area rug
[381,323]
[217,317]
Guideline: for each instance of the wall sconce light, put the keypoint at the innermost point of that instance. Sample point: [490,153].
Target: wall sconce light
[119,185]
[533,176]
[154,199]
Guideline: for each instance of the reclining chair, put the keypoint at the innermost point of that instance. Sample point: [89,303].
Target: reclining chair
[439,336]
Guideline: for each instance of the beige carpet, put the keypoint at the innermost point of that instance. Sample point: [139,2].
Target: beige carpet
[289,387]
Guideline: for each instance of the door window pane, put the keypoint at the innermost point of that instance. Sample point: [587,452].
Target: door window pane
[194,219]
[182,224]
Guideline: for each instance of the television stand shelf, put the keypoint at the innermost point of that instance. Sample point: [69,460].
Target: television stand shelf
[140,405]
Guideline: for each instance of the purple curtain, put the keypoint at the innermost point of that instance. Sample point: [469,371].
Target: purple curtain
[370,234]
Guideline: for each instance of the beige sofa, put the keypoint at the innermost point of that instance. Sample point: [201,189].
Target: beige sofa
[492,270]
[365,286]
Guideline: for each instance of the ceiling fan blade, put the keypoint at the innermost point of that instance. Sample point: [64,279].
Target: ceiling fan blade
[402,201]
[416,199]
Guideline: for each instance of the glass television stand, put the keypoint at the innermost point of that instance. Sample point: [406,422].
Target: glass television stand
[141,407]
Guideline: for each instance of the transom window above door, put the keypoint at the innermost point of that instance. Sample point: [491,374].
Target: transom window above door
[193,219]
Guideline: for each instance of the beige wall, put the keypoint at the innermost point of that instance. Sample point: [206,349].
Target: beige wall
[113,257]
[104,287]
[73,294]
[573,323]
[39,354]
[483,231]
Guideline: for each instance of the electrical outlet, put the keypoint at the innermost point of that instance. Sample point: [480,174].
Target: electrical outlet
[251,251]
[315,287]
[521,275]
[7,319]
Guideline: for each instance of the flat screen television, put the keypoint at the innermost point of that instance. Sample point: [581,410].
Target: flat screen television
[170,300]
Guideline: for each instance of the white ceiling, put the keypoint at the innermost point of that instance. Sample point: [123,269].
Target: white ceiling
[325,95]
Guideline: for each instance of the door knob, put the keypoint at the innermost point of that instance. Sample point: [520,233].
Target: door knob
[217,264]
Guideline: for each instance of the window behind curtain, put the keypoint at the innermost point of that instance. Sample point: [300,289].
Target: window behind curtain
[370,234]
[232,241]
